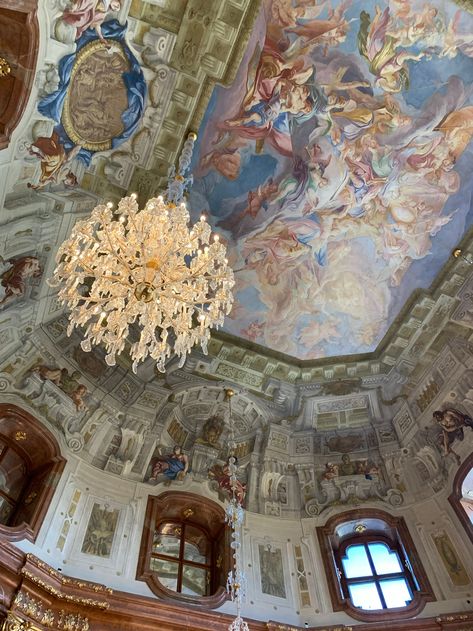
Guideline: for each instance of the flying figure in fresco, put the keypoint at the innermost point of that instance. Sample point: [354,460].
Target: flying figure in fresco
[380,50]
[282,91]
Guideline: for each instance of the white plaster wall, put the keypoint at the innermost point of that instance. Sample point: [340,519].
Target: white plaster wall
[130,499]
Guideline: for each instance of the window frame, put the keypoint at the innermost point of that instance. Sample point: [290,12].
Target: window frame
[456,495]
[43,468]
[393,546]
[199,512]
[397,537]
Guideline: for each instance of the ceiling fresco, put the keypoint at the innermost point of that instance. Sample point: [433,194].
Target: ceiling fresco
[337,165]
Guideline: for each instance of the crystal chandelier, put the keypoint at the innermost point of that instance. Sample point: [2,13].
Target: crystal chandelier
[235,515]
[146,270]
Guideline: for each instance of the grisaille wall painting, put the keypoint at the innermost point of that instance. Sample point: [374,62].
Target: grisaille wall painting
[100,531]
[338,157]
[271,571]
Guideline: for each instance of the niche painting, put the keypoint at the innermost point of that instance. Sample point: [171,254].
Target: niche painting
[271,571]
[450,559]
[100,531]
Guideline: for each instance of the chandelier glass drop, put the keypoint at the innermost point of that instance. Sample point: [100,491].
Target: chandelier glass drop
[148,270]
[235,515]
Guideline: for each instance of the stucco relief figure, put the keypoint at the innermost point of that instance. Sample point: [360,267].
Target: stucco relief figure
[211,432]
[173,466]
[14,279]
[452,422]
[347,467]
[55,162]
[222,476]
[69,384]
[84,14]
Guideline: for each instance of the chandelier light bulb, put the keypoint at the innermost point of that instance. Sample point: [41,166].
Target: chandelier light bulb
[142,273]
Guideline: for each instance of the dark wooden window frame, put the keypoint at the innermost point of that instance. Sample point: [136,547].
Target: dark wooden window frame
[456,495]
[331,547]
[46,470]
[21,80]
[214,529]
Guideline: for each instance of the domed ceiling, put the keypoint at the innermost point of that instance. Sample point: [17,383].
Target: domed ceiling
[333,155]
[334,158]
[338,166]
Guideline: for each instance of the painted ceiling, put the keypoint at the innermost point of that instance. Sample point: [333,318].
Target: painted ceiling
[337,165]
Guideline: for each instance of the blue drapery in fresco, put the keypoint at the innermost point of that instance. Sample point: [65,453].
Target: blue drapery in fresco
[52,105]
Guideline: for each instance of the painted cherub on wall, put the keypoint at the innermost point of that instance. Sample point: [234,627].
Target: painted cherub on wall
[452,422]
[13,280]
[69,384]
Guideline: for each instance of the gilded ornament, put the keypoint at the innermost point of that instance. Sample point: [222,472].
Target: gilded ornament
[5,68]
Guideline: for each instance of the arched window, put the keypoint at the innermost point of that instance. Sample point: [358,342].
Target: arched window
[461,498]
[30,465]
[372,566]
[184,549]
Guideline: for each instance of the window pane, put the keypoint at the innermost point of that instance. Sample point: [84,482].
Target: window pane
[196,546]
[167,540]
[365,596]
[5,510]
[356,562]
[385,560]
[396,592]
[13,474]
[194,580]
[166,572]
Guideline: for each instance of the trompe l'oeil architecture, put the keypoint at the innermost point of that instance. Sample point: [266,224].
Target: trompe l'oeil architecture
[333,160]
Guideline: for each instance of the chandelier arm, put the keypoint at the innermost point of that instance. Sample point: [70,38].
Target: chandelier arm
[141,240]
[116,254]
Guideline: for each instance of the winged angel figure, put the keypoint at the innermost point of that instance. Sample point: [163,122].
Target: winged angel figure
[386,62]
